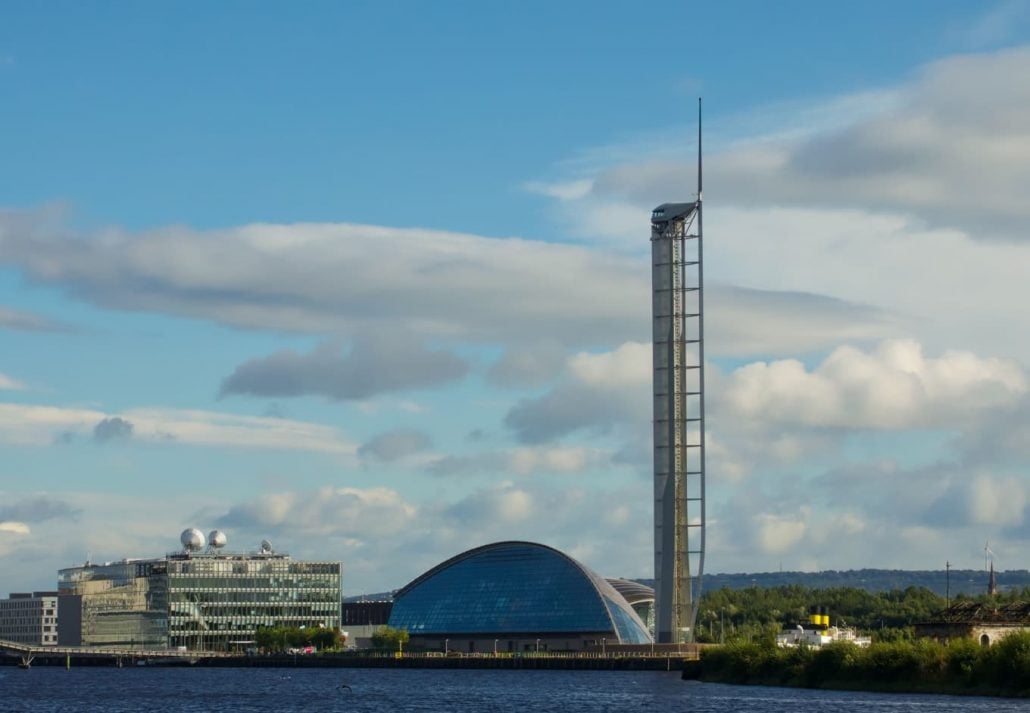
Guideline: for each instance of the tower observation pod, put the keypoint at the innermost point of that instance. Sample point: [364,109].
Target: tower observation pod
[679,414]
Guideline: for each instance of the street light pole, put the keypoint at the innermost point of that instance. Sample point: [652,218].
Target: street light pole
[446,645]
[495,647]
[604,647]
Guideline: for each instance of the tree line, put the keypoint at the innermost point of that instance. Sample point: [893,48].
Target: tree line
[923,665]
[727,615]
[281,638]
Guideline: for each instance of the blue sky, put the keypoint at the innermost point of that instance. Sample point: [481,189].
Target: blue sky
[370,280]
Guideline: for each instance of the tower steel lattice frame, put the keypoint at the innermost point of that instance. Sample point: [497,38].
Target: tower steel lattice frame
[679,414]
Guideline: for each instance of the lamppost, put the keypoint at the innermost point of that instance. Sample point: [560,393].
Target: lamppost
[446,646]
[495,647]
[538,645]
[604,648]
[947,585]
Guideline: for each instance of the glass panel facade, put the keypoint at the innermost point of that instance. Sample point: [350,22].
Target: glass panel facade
[219,602]
[511,588]
[627,624]
[200,600]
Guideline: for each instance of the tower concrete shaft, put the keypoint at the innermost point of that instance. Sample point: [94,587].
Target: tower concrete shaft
[679,447]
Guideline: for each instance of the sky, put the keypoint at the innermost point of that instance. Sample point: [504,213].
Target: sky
[370,280]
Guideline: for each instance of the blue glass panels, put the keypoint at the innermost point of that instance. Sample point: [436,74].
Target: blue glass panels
[627,623]
[513,588]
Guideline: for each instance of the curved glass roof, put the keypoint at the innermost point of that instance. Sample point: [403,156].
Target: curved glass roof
[633,592]
[515,588]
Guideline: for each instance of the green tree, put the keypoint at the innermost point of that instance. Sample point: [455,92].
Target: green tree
[389,638]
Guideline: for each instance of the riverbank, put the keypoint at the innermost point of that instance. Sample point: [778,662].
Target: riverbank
[961,667]
[542,661]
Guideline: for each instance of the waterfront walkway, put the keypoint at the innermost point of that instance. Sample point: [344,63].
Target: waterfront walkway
[578,660]
[629,659]
[28,652]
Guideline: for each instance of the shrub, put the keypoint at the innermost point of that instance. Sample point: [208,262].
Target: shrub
[1006,664]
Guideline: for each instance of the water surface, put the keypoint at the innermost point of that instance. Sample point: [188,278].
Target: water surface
[46,690]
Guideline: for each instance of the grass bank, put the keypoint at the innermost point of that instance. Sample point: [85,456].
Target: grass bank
[921,666]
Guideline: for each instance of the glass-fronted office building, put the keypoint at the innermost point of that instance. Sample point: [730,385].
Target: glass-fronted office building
[110,604]
[211,600]
[218,601]
[514,597]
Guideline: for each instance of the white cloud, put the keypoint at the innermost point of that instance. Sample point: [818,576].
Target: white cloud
[951,290]
[382,362]
[893,387]
[628,365]
[14,528]
[336,279]
[513,505]
[523,461]
[893,199]
[778,533]
[367,527]
[567,191]
[554,460]
[956,159]
[532,365]
[342,278]
[997,501]
[26,321]
[1003,21]
[24,424]
[394,445]
[9,384]
[358,513]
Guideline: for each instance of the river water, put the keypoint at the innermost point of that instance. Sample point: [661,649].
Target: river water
[47,690]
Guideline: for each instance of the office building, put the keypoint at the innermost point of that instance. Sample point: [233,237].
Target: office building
[29,618]
[200,598]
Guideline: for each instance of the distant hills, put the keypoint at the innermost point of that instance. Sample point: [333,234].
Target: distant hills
[963,581]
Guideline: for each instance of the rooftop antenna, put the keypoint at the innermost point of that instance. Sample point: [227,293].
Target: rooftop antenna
[699,160]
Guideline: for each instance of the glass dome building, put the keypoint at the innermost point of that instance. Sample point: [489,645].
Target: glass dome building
[514,596]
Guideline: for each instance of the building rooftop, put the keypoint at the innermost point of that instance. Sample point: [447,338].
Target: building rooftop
[1010,613]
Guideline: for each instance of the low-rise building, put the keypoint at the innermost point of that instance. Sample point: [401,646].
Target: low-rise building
[986,623]
[29,618]
[362,617]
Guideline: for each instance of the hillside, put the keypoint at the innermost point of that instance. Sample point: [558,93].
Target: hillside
[963,581]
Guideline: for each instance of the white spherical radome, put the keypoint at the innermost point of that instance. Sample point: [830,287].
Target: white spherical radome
[192,539]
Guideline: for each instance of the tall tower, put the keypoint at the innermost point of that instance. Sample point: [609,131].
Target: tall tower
[679,413]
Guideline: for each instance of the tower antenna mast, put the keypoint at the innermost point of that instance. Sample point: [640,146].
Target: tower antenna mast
[679,412]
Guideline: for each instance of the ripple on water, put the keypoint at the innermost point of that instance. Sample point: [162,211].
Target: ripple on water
[175,690]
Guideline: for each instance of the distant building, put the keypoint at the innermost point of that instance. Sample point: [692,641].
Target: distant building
[514,597]
[361,619]
[29,618]
[202,599]
[984,623]
[109,604]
